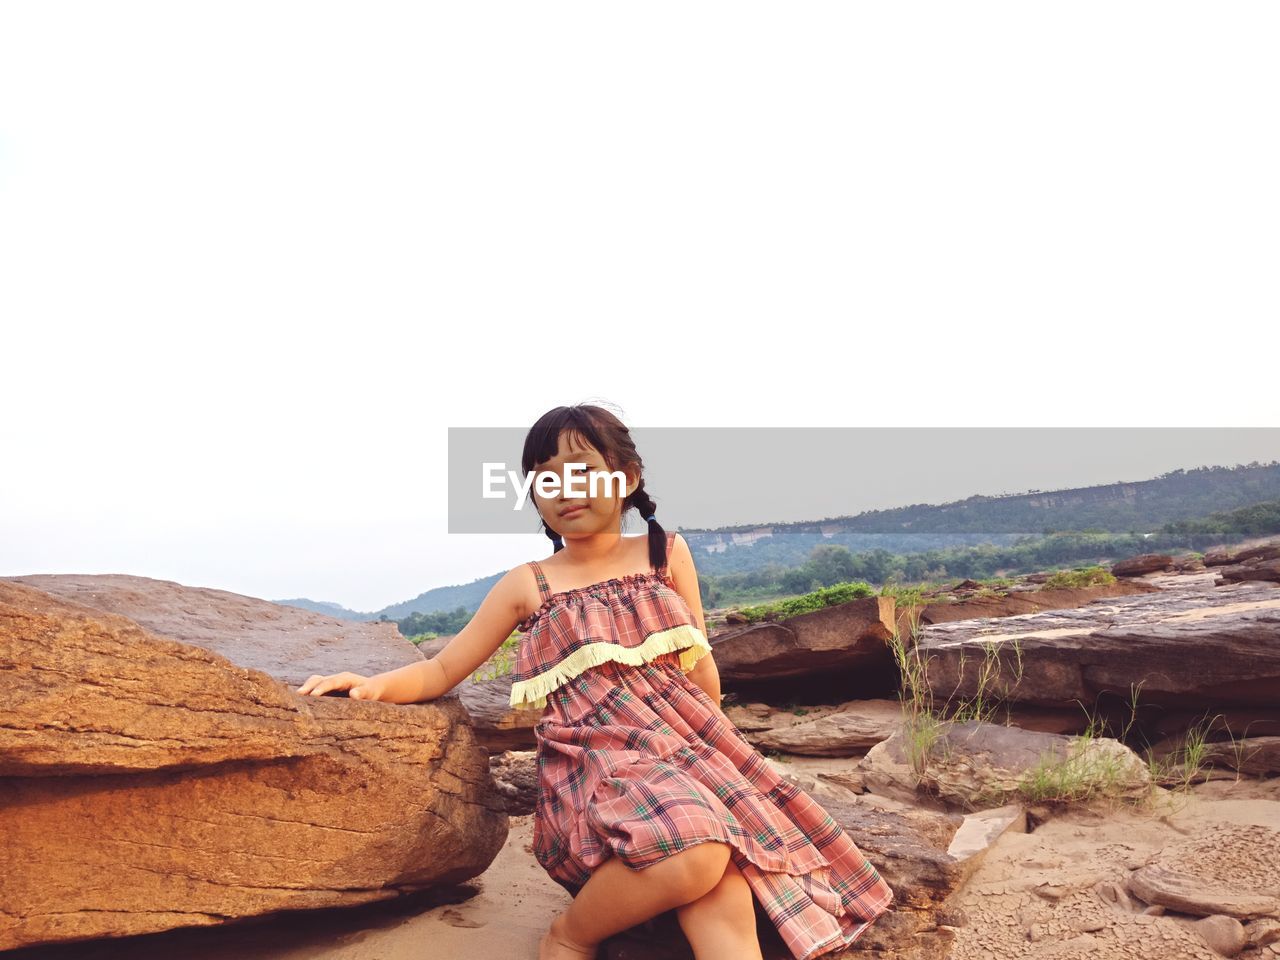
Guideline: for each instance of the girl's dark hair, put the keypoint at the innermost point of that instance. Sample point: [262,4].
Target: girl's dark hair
[606,433]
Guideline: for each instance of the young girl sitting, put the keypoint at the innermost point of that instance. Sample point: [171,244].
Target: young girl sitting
[649,799]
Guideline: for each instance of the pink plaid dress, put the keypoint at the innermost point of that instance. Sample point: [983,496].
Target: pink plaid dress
[635,761]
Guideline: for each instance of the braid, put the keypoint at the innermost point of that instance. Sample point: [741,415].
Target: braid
[641,500]
[553,536]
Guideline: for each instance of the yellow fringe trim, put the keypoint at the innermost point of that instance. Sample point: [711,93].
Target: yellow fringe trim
[688,639]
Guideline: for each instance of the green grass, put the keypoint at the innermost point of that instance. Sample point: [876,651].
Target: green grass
[808,602]
[502,662]
[1076,579]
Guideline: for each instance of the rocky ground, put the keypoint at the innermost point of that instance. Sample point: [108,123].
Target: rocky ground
[156,772]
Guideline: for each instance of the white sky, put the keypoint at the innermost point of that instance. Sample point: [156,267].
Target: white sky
[256,258]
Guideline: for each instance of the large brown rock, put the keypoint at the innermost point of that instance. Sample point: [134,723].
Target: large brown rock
[851,729]
[840,637]
[1269,550]
[1144,564]
[1186,647]
[288,643]
[975,765]
[1013,603]
[498,725]
[149,784]
[1265,570]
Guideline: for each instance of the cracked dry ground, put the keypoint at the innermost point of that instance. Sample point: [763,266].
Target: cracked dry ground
[1061,891]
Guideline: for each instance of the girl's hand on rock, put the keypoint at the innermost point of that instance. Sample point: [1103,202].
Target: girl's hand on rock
[357,687]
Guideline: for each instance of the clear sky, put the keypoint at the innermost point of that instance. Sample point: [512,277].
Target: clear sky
[257,258]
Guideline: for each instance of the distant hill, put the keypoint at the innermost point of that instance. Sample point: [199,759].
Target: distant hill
[1139,506]
[442,599]
[436,600]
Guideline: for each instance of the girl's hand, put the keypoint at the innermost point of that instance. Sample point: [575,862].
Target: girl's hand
[357,687]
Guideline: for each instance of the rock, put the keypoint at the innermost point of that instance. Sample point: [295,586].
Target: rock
[1042,719]
[1201,896]
[841,637]
[150,784]
[1256,756]
[1254,562]
[1187,648]
[1264,570]
[851,730]
[288,643]
[1262,551]
[498,725]
[1237,722]
[1146,563]
[515,774]
[975,765]
[1016,602]
[1223,935]
[1262,933]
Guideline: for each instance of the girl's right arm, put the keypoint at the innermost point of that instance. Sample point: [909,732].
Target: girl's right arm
[492,623]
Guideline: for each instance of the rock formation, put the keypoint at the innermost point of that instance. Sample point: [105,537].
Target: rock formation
[147,783]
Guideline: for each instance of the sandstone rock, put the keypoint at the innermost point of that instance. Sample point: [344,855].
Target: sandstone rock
[975,765]
[1262,933]
[840,637]
[1225,936]
[1264,570]
[150,784]
[1146,563]
[850,730]
[497,725]
[1245,554]
[1188,648]
[515,774]
[1015,603]
[1257,756]
[1262,551]
[1202,896]
[288,643]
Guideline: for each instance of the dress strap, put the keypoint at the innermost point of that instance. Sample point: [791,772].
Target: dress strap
[544,591]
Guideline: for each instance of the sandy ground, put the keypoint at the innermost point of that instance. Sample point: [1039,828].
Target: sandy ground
[1035,895]
[1045,893]
[500,914]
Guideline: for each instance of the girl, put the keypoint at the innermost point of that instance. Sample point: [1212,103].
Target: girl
[649,799]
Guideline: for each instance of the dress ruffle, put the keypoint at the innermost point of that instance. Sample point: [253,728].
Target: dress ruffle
[630,619]
[686,639]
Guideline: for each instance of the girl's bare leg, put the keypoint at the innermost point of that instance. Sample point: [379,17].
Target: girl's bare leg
[616,898]
[721,924]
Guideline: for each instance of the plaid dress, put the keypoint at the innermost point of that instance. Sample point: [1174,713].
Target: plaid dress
[636,761]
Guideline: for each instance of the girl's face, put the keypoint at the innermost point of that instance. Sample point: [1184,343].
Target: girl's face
[574,516]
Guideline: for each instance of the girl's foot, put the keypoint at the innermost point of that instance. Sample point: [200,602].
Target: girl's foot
[556,946]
